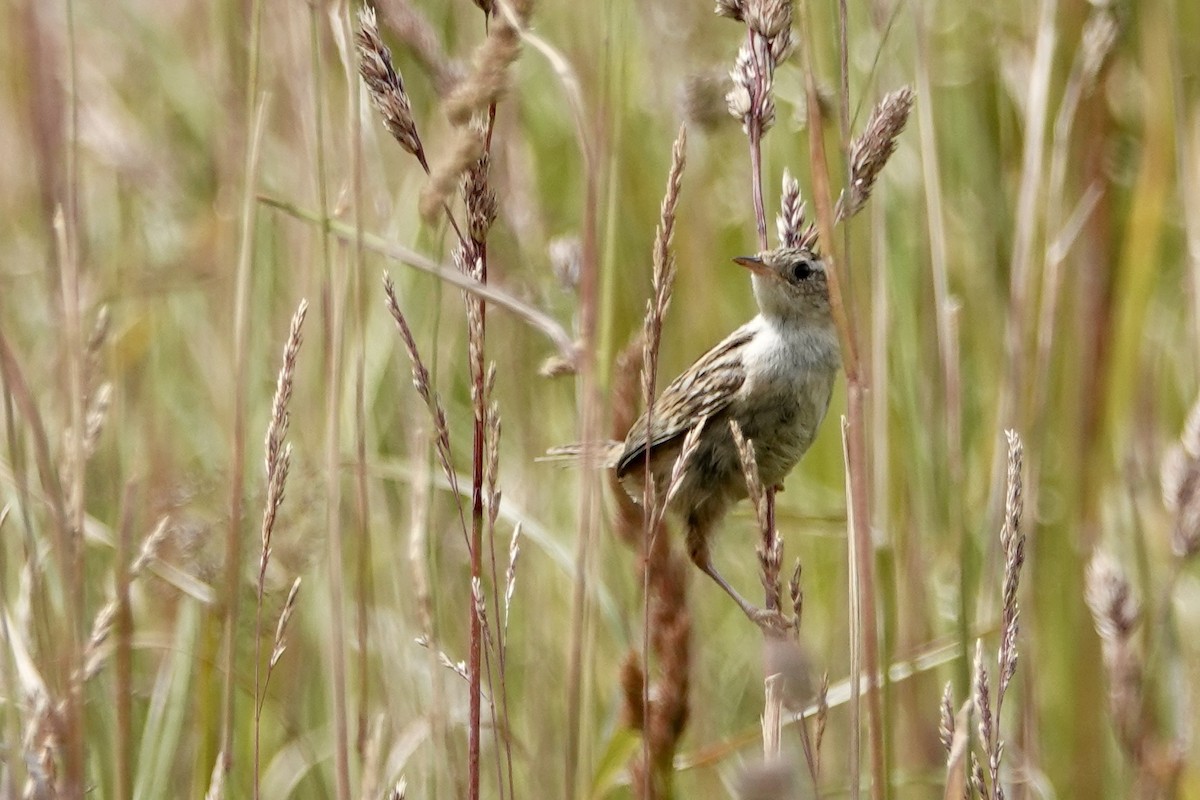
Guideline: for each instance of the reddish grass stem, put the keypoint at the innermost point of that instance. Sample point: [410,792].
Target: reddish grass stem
[255,115]
[856,450]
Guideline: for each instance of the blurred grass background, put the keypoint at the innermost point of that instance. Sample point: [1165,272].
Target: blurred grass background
[134,115]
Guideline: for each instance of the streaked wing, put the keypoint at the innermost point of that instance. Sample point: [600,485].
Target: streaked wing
[705,389]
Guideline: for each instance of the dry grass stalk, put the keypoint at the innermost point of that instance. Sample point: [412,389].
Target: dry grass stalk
[1117,614]
[664,578]
[371,757]
[663,278]
[539,320]
[956,738]
[278,459]
[660,710]
[94,654]
[768,43]
[278,456]
[459,668]
[666,623]
[871,149]
[988,735]
[1012,543]
[476,95]
[385,86]
[285,616]
[434,405]
[770,548]
[400,790]
[796,593]
[822,720]
[510,575]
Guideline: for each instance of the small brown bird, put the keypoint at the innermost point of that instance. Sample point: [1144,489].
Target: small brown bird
[774,376]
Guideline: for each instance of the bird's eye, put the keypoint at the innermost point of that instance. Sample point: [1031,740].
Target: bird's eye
[801,270]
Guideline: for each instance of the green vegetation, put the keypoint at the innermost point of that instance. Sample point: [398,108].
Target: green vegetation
[1029,259]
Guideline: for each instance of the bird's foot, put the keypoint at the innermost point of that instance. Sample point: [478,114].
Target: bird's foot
[770,620]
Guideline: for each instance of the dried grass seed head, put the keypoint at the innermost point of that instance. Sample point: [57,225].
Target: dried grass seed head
[793,229]
[946,722]
[384,84]
[478,195]
[1180,480]
[1115,608]
[1099,39]
[768,18]
[730,9]
[566,259]
[871,150]
[751,99]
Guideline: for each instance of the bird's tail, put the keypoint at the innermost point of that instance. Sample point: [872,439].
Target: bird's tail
[596,455]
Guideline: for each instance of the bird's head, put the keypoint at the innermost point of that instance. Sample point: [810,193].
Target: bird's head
[790,284]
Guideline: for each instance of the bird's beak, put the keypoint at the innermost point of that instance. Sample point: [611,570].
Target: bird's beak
[754,264]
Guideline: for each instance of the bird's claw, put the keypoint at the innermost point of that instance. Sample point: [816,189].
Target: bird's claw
[771,620]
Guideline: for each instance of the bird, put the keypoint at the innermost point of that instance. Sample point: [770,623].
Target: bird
[773,375]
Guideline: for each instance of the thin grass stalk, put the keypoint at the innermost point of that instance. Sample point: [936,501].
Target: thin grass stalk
[364,585]
[1062,229]
[13,774]
[1020,314]
[334,308]
[583,357]
[417,545]
[75,720]
[123,625]
[480,204]
[856,455]
[1188,148]
[755,132]
[255,112]
[947,344]
[477,334]
[663,280]
[277,463]
[476,552]
[854,747]
[491,475]
[901,600]
[531,315]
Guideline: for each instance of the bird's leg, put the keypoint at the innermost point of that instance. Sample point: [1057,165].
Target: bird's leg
[697,546]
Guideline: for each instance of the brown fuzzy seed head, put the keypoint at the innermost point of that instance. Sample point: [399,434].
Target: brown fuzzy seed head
[702,98]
